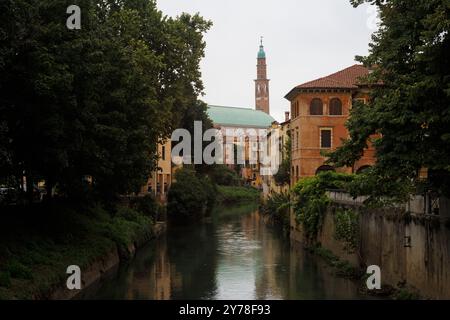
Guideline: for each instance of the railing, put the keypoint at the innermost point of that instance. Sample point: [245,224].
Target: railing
[427,203]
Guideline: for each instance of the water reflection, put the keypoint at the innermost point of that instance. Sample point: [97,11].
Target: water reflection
[232,256]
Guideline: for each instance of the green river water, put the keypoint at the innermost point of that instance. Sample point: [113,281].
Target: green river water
[233,255]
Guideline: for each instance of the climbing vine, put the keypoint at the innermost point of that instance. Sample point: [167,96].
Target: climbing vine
[311,201]
[311,214]
[346,228]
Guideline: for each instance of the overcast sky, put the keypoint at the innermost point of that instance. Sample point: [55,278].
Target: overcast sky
[303,39]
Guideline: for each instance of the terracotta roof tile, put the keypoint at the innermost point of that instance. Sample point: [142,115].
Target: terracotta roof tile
[344,79]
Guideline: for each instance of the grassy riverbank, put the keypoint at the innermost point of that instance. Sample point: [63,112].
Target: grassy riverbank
[235,194]
[38,244]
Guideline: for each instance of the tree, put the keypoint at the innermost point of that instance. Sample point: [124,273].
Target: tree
[196,111]
[222,175]
[5,157]
[96,101]
[409,111]
[188,196]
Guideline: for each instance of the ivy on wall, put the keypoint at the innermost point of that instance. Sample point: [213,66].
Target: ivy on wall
[346,228]
[310,200]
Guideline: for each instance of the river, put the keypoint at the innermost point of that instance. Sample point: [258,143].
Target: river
[234,255]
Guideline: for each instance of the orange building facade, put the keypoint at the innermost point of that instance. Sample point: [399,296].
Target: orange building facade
[319,112]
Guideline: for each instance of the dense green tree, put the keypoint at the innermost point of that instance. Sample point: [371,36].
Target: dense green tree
[196,111]
[190,196]
[409,111]
[222,175]
[5,156]
[93,102]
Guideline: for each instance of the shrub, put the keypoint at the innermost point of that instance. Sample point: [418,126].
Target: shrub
[146,205]
[342,268]
[126,228]
[381,190]
[311,201]
[229,195]
[61,237]
[5,279]
[224,176]
[188,196]
[277,206]
[403,294]
[18,270]
[211,193]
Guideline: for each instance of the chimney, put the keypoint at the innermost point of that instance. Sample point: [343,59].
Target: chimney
[286,116]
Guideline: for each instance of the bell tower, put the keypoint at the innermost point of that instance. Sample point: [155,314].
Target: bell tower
[261,82]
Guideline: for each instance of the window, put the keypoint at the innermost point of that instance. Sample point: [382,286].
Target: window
[163,153]
[335,107]
[316,107]
[325,138]
[324,169]
[362,169]
[296,138]
[295,109]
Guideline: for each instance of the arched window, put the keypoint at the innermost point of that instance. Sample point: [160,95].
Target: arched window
[324,169]
[362,169]
[335,107]
[316,107]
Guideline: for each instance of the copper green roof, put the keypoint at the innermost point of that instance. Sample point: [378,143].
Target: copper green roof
[239,117]
[261,53]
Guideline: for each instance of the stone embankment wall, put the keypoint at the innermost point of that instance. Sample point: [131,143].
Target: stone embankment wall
[102,266]
[412,250]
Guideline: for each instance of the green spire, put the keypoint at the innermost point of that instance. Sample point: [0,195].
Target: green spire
[261,53]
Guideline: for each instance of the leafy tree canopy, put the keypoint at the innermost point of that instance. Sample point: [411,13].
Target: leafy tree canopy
[408,117]
[93,102]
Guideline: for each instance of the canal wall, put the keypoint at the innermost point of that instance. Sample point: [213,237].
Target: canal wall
[412,250]
[102,266]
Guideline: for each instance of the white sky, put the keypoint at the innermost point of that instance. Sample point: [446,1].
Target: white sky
[303,39]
